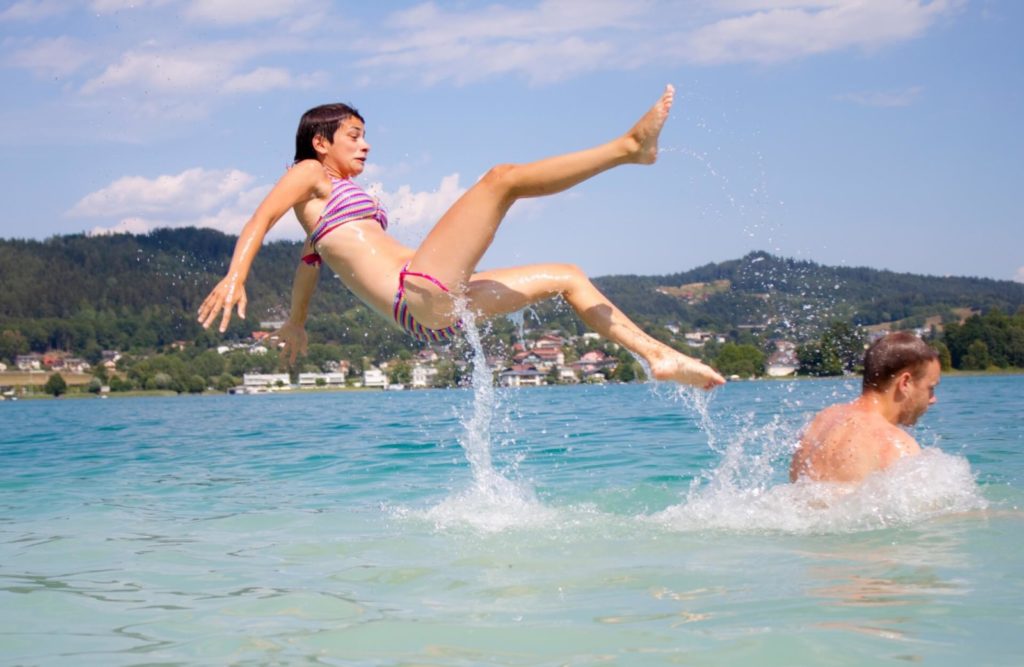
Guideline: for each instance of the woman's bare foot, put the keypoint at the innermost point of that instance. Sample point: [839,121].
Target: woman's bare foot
[678,367]
[643,137]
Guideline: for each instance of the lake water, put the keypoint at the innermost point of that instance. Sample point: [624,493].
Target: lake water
[629,525]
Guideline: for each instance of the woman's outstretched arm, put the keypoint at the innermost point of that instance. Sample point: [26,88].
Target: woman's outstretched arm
[297,185]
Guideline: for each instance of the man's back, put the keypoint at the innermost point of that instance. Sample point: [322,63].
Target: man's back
[846,443]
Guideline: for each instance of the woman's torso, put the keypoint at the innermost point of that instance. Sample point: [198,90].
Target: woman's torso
[364,256]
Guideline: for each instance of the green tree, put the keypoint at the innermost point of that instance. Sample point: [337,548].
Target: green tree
[400,373]
[446,375]
[847,342]
[195,384]
[743,360]
[208,364]
[839,350]
[12,343]
[625,371]
[225,382]
[159,380]
[321,353]
[119,384]
[977,357]
[55,385]
[945,360]
[814,358]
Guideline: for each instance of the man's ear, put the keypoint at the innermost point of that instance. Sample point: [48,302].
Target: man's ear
[903,381]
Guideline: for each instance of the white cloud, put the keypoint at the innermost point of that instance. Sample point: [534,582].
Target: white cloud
[555,40]
[233,12]
[160,72]
[59,56]
[1019,276]
[546,43]
[109,6]
[790,31]
[541,62]
[125,226]
[198,72]
[418,209]
[191,192]
[263,79]
[196,197]
[897,98]
[34,10]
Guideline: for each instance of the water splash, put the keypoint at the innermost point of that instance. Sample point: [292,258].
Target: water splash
[518,320]
[493,502]
[912,490]
[747,491]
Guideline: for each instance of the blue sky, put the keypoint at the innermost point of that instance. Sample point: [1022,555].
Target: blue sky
[882,133]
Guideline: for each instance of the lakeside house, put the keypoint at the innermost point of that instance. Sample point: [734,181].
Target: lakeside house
[698,339]
[549,341]
[312,380]
[521,376]
[594,365]
[543,358]
[266,380]
[33,361]
[423,376]
[374,377]
[53,360]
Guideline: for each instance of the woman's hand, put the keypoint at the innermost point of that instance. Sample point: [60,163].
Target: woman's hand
[229,293]
[292,340]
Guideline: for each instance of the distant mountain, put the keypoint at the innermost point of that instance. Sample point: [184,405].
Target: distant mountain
[802,296]
[81,292]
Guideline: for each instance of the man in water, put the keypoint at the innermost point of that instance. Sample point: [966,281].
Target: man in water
[846,443]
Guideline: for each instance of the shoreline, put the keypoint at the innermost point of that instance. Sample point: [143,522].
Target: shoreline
[166,393]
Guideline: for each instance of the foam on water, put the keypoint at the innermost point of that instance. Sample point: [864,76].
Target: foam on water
[744,492]
[913,490]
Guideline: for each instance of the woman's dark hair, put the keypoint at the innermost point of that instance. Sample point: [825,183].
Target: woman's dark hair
[322,121]
[893,354]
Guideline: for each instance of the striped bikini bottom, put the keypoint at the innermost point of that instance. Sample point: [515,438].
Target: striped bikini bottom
[404,318]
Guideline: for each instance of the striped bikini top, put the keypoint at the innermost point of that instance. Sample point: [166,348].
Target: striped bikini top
[347,202]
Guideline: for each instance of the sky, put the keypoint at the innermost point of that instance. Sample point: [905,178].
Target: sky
[880,133]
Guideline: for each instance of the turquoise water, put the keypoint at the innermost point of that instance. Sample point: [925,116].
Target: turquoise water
[597,525]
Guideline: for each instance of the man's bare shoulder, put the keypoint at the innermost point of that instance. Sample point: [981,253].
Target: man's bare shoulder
[836,417]
[841,444]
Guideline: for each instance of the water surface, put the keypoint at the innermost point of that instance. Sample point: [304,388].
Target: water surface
[618,524]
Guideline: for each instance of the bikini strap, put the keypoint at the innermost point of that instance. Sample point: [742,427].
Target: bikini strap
[405,272]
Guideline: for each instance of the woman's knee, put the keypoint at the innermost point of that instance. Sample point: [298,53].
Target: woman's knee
[501,177]
[572,276]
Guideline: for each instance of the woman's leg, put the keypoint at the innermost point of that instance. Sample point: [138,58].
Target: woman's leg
[451,250]
[503,291]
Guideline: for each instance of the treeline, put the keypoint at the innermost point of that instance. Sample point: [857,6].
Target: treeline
[139,294]
[800,298]
[993,340]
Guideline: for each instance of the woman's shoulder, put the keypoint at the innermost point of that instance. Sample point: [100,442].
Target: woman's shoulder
[308,169]
[310,176]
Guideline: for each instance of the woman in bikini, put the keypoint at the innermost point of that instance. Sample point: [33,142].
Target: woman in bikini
[419,288]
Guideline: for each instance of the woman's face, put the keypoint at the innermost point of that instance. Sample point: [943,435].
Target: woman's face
[348,151]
